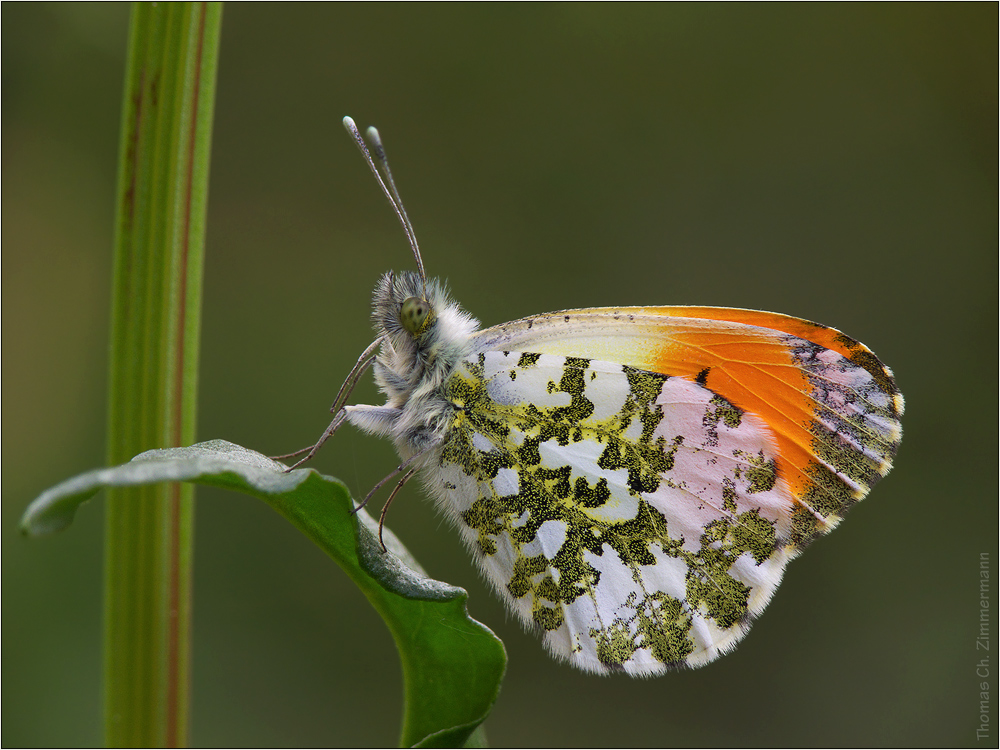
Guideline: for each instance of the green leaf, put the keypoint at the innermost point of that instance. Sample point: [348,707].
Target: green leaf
[452,664]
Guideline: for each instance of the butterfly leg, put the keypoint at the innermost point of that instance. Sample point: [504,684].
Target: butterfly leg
[363,363]
[402,467]
[311,451]
[395,472]
[385,508]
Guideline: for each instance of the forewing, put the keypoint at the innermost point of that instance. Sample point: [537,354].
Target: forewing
[832,408]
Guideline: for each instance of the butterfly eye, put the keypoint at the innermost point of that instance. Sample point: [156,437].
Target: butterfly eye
[413,313]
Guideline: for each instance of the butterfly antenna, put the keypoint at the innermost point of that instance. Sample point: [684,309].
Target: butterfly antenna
[390,191]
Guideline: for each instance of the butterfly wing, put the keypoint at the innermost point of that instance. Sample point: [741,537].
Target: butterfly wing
[832,407]
[634,480]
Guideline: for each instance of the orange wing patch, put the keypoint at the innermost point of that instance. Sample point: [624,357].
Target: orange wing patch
[833,407]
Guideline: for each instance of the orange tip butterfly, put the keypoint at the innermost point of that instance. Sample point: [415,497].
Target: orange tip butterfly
[632,481]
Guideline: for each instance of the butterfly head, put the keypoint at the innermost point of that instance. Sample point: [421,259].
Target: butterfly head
[424,332]
[404,308]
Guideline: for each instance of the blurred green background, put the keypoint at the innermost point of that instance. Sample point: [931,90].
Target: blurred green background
[833,162]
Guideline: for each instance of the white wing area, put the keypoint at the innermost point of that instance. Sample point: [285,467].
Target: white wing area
[636,519]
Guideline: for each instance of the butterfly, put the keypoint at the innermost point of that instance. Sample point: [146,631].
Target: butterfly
[632,481]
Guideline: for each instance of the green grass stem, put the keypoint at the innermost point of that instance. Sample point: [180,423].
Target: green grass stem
[156,316]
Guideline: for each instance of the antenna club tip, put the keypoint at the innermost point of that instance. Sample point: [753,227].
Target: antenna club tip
[349,124]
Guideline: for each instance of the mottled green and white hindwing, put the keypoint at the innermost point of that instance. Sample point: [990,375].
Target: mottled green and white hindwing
[636,518]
